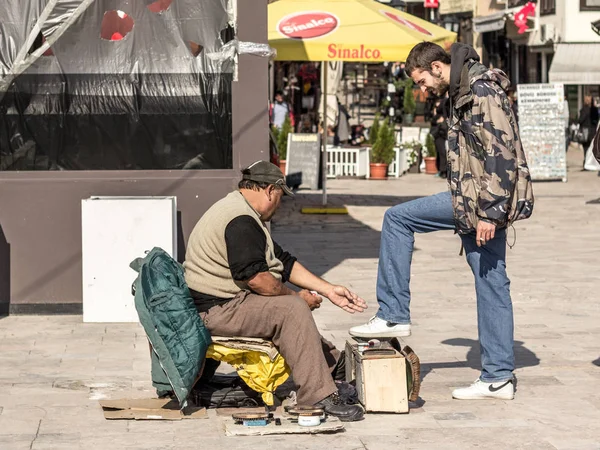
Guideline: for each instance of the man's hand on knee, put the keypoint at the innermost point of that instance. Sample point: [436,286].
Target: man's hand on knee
[314,301]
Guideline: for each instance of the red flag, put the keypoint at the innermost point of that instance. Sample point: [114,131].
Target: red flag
[432,3]
[522,14]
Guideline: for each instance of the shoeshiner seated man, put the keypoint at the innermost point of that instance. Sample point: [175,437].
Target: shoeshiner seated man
[236,275]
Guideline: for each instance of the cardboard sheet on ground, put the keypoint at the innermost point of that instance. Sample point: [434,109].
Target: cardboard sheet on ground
[149,409]
[331,424]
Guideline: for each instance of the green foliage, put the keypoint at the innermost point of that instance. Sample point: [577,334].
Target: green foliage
[275,132]
[282,137]
[430,146]
[383,148]
[374,131]
[409,99]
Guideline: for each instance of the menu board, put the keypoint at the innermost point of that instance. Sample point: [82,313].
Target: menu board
[542,127]
[304,160]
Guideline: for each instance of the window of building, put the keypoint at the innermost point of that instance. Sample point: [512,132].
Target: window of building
[547,7]
[589,5]
[126,96]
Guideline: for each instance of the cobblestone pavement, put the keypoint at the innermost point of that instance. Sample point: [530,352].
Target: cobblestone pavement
[54,368]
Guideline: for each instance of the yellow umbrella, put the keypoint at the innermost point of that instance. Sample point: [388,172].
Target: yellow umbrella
[346,30]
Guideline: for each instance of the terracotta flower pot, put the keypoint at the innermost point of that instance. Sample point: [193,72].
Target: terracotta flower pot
[430,167]
[282,164]
[378,171]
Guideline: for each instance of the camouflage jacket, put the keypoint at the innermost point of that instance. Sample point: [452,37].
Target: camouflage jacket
[488,174]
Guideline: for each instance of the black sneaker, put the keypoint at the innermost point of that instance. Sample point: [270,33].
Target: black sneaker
[334,406]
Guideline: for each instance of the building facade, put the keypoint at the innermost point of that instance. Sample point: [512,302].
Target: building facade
[40,225]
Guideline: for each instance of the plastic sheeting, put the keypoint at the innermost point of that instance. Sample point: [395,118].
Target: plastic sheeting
[159,98]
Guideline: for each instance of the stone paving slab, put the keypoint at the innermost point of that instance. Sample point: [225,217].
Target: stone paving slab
[53,369]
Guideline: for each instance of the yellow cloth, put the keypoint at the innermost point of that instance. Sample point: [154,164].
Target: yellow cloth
[347,30]
[254,367]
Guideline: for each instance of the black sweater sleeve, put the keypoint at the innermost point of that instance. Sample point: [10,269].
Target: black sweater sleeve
[246,244]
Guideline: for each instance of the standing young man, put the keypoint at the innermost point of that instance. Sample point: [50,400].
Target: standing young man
[490,187]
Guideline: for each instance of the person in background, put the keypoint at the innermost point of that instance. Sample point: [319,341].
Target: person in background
[358,134]
[588,120]
[566,118]
[332,138]
[343,126]
[397,71]
[306,125]
[280,109]
[596,148]
[439,131]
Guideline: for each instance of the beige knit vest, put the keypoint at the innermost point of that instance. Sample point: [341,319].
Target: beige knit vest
[206,265]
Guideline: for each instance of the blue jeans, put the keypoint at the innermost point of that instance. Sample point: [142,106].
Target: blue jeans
[488,263]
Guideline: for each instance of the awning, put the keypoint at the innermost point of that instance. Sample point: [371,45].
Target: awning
[492,22]
[576,64]
[596,26]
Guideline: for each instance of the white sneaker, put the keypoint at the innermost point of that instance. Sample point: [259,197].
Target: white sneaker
[379,328]
[480,390]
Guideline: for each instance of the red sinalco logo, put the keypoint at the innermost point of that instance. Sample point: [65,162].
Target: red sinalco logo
[405,22]
[308,25]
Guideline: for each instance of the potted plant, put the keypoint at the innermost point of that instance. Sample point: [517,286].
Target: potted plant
[374,131]
[281,137]
[409,102]
[430,166]
[382,153]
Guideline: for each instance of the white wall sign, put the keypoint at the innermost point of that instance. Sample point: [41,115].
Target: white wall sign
[542,128]
[115,231]
[410,134]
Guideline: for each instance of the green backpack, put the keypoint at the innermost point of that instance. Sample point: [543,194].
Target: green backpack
[176,333]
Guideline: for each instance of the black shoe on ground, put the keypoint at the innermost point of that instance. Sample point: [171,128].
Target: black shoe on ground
[334,406]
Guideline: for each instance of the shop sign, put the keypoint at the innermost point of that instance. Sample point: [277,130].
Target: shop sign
[364,53]
[308,25]
[542,129]
[432,4]
[456,6]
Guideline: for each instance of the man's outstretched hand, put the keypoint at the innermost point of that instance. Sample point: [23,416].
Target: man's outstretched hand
[345,299]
